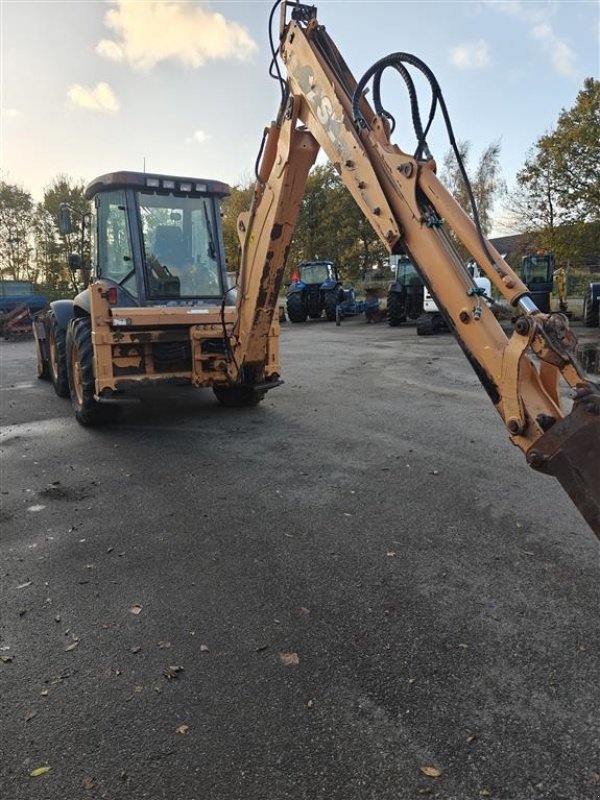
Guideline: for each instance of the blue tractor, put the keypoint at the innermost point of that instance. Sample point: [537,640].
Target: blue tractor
[315,288]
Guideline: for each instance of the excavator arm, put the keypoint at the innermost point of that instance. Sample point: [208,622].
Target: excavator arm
[323,107]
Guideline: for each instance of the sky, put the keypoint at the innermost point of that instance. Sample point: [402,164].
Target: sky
[181,86]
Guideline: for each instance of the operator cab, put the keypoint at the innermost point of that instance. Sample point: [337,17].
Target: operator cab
[158,238]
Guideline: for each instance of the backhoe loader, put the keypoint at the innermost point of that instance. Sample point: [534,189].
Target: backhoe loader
[144,319]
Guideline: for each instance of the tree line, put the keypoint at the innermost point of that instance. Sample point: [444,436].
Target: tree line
[556,200]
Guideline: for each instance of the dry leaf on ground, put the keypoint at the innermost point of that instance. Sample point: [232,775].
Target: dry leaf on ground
[431,772]
[182,730]
[136,609]
[289,658]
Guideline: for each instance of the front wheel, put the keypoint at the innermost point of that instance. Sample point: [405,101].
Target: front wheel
[82,385]
[395,309]
[238,396]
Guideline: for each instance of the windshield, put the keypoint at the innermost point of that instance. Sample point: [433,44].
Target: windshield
[407,274]
[315,273]
[180,246]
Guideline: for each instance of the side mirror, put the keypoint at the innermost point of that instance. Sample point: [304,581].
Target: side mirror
[65,224]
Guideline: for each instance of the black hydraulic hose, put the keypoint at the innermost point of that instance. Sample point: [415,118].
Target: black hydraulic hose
[274,53]
[394,60]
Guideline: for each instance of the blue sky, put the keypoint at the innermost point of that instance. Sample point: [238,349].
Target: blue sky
[95,86]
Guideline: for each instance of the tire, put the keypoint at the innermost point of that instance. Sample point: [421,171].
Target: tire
[43,367]
[395,309]
[425,325]
[591,313]
[296,310]
[315,316]
[238,396]
[57,356]
[80,363]
[331,299]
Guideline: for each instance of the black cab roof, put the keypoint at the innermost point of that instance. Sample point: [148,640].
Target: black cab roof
[154,182]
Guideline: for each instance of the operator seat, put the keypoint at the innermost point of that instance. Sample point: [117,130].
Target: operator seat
[169,245]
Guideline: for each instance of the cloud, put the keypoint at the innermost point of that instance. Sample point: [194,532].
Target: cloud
[100,98]
[471,55]
[145,34]
[563,58]
[537,16]
[198,137]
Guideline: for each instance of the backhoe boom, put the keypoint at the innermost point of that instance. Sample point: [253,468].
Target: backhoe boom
[412,212]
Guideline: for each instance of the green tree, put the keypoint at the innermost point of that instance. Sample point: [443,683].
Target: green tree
[16,215]
[239,200]
[558,188]
[52,247]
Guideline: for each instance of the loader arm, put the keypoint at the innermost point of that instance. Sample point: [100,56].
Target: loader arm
[412,212]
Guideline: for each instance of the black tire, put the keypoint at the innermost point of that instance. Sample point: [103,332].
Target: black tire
[238,396]
[57,356]
[425,325]
[296,310]
[315,316]
[395,309]
[591,311]
[331,299]
[80,363]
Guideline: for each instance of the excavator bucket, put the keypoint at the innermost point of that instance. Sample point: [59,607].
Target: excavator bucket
[570,451]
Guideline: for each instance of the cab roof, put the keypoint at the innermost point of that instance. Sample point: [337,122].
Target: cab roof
[155,182]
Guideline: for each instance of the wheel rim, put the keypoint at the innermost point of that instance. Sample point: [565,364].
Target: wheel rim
[76,373]
[53,353]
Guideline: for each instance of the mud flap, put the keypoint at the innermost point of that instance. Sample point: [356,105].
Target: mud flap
[570,451]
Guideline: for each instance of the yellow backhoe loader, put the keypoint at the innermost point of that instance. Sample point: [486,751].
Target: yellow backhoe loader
[158,308]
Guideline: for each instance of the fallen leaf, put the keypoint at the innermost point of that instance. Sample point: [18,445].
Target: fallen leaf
[30,716]
[163,644]
[289,658]
[136,609]
[6,659]
[431,772]
[471,739]
[391,554]
[72,646]
[136,649]
[485,793]
[434,472]
[137,688]
[88,783]
[182,730]
[309,703]
[204,648]
[412,680]
[24,585]
[463,645]
[261,647]
[423,790]
[39,771]
[304,610]
[44,692]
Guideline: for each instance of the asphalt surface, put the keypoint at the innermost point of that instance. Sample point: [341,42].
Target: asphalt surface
[327,597]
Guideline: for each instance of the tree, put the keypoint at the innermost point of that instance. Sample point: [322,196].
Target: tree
[16,214]
[52,247]
[486,180]
[558,188]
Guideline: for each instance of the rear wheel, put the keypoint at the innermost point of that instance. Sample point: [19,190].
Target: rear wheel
[238,396]
[57,356]
[296,309]
[591,313]
[395,309]
[80,361]
[331,300]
